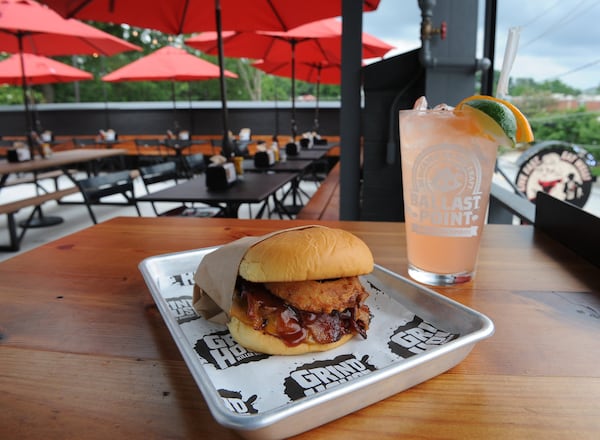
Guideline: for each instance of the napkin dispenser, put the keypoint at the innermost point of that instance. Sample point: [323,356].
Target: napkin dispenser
[264,159]
[220,176]
[292,149]
[305,143]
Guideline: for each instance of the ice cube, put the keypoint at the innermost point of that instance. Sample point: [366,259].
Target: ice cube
[420,104]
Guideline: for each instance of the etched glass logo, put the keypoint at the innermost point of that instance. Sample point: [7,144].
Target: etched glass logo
[446,192]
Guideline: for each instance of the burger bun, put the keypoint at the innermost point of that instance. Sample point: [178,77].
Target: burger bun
[260,342]
[314,253]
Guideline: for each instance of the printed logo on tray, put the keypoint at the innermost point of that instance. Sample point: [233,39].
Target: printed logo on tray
[182,279]
[236,403]
[311,378]
[181,308]
[416,337]
[221,350]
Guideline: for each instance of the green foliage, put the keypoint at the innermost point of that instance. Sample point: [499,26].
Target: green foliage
[579,126]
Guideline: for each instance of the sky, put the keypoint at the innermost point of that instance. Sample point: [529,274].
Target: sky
[558,39]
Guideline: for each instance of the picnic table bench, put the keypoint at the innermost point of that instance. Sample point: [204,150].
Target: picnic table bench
[325,202]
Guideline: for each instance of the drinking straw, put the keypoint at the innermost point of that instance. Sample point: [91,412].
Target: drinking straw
[510,52]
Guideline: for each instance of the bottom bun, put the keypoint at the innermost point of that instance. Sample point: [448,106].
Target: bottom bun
[261,342]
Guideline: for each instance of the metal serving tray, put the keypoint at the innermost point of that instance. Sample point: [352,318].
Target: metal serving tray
[415,334]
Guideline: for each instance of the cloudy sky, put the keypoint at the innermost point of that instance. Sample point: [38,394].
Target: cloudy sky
[558,39]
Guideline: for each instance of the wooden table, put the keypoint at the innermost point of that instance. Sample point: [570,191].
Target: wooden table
[252,188]
[84,352]
[60,159]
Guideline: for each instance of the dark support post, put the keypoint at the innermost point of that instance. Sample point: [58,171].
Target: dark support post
[226,147]
[350,112]
[489,44]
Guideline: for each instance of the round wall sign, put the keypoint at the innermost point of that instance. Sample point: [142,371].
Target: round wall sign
[556,168]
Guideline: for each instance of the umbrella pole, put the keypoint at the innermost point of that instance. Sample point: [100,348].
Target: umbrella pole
[105,93]
[276,136]
[316,121]
[175,122]
[226,147]
[190,107]
[294,126]
[24,87]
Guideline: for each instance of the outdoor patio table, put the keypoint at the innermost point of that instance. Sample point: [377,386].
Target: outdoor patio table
[252,188]
[308,155]
[61,160]
[179,146]
[299,166]
[85,352]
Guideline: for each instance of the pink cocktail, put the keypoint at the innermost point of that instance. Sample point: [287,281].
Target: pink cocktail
[448,159]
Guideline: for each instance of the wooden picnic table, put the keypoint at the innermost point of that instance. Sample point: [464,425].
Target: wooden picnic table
[85,353]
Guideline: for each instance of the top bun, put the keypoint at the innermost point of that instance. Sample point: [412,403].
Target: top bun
[314,253]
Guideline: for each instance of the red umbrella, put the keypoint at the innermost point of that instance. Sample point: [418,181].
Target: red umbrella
[39,70]
[316,42]
[185,16]
[167,64]
[28,24]
[314,72]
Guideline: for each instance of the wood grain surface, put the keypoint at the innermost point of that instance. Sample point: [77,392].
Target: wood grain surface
[85,353]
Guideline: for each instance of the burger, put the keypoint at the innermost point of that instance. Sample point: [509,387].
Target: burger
[298,291]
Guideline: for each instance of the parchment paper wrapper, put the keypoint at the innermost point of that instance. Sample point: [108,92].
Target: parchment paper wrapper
[216,275]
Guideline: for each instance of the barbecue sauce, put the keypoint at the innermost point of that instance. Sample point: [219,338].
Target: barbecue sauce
[274,316]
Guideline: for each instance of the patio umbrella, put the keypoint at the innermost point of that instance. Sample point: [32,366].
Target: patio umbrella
[168,64]
[313,72]
[185,16]
[27,26]
[39,70]
[318,41]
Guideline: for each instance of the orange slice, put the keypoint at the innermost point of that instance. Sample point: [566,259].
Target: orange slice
[496,108]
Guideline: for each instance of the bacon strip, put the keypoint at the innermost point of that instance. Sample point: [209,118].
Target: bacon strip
[277,317]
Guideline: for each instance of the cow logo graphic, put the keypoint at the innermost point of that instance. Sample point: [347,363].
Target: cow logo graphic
[221,350]
[416,337]
[558,169]
[312,378]
[235,402]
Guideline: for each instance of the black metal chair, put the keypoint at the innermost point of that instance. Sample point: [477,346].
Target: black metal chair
[163,172]
[96,189]
[195,164]
[150,151]
[160,173]
[84,142]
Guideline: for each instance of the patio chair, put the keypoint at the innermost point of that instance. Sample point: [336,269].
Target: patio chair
[195,164]
[160,173]
[84,142]
[164,172]
[150,151]
[106,164]
[96,191]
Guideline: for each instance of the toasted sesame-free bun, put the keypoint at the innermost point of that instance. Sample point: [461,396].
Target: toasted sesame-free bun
[260,342]
[315,253]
